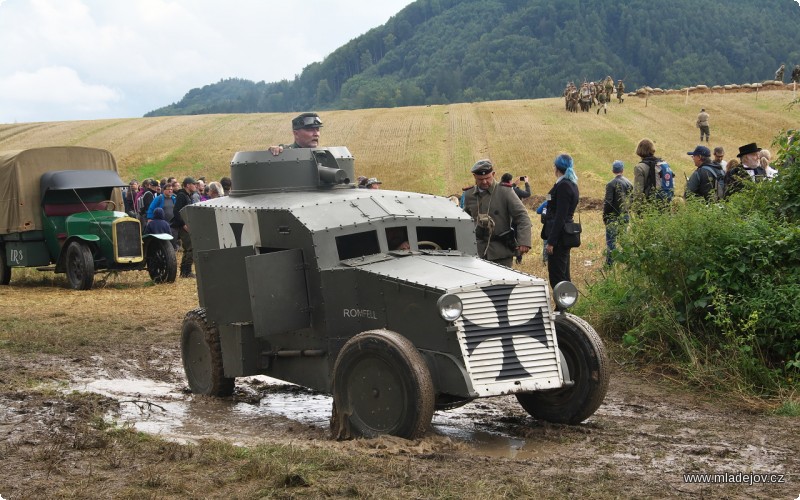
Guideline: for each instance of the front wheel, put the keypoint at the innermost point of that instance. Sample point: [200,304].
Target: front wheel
[587,363]
[162,264]
[80,266]
[5,270]
[381,385]
[202,356]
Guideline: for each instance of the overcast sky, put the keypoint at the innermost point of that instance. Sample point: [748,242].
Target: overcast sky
[94,59]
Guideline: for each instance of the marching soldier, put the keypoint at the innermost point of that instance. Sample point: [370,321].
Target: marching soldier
[779,73]
[620,90]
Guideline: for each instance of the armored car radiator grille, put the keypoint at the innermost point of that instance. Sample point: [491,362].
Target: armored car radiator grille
[507,338]
[128,239]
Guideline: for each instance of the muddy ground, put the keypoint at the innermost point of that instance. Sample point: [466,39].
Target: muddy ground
[649,433]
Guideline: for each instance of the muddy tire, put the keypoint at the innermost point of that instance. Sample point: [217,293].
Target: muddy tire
[80,266]
[162,264]
[5,269]
[587,362]
[202,356]
[381,385]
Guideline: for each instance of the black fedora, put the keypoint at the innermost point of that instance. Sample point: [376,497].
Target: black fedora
[747,149]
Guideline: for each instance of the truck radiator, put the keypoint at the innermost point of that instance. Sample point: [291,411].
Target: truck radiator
[128,238]
[507,338]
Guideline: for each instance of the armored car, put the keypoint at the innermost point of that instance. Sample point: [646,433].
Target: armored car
[376,297]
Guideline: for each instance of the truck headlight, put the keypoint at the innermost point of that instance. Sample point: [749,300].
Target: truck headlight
[450,307]
[565,294]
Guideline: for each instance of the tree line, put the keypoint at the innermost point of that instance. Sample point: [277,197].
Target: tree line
[445,51]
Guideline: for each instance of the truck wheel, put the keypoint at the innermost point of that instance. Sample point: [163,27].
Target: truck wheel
[5,270]
[202,356]
[587,362]
[161,261]
[80,266]
[381,385]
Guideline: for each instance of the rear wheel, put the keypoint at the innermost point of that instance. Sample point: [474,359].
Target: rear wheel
[161,261]
[80,266]
[202,356]
[5,270]
[586,360]
[381,385]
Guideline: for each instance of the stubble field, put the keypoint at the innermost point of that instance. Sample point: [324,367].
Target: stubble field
[70,427]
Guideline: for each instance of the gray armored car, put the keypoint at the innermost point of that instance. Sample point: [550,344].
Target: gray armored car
[376,297]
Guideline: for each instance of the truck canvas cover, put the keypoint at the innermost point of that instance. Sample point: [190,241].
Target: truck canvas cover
[20,174]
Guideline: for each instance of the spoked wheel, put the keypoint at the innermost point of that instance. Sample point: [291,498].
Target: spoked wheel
[162,264]
[202,356]
[5,269]
[80,266]
[381,385]
[587,363]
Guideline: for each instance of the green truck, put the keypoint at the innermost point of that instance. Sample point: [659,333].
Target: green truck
[61,210]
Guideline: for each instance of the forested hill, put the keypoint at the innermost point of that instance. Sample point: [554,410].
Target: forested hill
[444,51]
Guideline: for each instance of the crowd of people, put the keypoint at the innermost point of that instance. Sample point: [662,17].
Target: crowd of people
[593,94]
[157,205]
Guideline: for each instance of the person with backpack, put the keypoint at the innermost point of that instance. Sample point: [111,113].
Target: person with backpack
[708,181]
[145,199]
[645,174]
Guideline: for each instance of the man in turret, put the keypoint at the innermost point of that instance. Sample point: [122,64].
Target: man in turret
[305,128]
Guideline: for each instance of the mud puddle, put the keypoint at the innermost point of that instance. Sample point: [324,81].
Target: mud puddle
[263,407]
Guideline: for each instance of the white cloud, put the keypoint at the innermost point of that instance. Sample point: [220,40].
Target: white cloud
[106,59]
[58,89]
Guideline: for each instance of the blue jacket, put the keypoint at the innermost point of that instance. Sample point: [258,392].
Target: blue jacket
[158,202]
[157,224]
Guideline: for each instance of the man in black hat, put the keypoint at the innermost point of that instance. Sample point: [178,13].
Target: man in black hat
[707,178]
[750,170]
[495,209]
[305,128]
[182,198]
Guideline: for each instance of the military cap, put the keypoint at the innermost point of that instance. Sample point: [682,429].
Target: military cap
[482,167]
[373,180]
[306,120]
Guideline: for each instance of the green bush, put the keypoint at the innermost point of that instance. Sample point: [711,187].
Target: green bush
[713,288]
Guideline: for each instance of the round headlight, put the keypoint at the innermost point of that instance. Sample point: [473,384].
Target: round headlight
[565,294]
[450,307]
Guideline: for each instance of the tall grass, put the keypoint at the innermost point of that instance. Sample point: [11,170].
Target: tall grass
[713,289]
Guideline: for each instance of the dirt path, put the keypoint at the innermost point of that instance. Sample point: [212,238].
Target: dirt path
[640,443]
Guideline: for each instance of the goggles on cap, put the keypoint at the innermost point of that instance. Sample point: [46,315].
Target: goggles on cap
[310,121]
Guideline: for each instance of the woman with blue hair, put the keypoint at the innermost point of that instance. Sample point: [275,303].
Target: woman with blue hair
[561,204]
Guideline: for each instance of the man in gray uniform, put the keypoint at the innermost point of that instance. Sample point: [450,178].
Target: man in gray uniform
[702,124]
[496,209]
[305,128]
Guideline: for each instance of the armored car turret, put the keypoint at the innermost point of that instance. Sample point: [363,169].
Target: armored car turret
[376,297]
